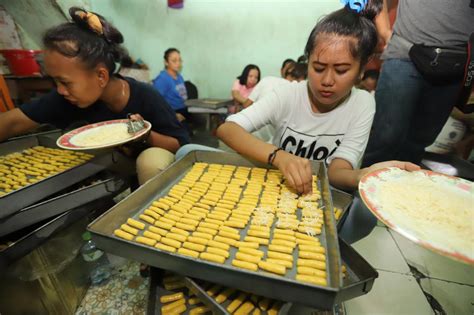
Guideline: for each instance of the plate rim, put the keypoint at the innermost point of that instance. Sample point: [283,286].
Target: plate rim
[365,199]
[68,135]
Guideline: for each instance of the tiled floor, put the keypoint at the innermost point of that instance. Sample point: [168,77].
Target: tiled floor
[125,292]
[412,280]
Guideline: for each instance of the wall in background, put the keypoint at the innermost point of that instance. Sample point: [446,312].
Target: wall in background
[217,38]
[34,17]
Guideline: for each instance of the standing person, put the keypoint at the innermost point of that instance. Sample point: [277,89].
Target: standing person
[170,83]
[81,56]
[244,85]
[412,108]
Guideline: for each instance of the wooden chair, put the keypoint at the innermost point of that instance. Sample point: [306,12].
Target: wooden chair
[6,102]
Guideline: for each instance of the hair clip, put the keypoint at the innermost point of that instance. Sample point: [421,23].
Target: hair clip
[92,20]
[356,5]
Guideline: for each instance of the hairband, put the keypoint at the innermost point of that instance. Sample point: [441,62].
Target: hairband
[356,5]
[92,20]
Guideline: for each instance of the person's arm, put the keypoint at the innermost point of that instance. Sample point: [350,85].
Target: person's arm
[156,139]
[15,122]
[247,103]
[162,85]
[343,176]
[236,96]
[295,169]
[382,23]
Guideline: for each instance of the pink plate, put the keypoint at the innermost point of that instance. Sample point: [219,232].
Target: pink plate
[444,220]
[113,134]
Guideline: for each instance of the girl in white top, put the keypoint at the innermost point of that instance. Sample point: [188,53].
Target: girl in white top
[323,118]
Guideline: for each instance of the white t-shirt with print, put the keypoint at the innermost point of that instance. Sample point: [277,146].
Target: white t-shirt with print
[265,86]
[341,133]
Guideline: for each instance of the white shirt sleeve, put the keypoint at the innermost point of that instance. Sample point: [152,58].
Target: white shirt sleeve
[255,94]
[355,140]
[266,110]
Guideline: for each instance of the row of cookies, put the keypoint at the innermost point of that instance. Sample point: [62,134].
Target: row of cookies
[206,227]
[20,169]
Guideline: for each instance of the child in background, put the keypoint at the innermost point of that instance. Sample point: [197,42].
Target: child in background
[369,81]
[170,83]
[244,85]
[297,72]
[285,66]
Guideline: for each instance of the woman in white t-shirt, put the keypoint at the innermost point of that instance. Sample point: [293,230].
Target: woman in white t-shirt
[324,118]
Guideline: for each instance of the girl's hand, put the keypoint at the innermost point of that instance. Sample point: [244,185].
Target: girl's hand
[146,136]
[407,166]
[296,170]
[136,117]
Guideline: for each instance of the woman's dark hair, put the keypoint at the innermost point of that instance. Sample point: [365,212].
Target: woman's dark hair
[373,74]
[347,22]
[289,60]
[168,53]
[79,39]
[302,59]
[243,77]
[299,70]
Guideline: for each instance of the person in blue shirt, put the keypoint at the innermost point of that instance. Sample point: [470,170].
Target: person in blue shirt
[170,83]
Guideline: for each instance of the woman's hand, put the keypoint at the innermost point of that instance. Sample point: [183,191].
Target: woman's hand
[136,117]
[296,170]
[146,136]
[407,166]
[180,117]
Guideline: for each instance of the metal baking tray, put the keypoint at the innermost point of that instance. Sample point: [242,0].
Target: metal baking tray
[194,286]
[260,283]
[55,206]
[343,201]
[30,194]
[157,291]
[360,276]
[211,103]
[24,244]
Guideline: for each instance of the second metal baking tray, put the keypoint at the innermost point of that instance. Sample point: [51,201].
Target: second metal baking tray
[24,244]
[359,279]
[33,193]
[55,206]
[343,201]
[259,283]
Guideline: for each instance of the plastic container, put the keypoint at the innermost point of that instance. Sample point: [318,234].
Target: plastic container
[100,268]
[22,62]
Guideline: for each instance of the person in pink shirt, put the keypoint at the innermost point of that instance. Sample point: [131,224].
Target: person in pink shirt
[244,84]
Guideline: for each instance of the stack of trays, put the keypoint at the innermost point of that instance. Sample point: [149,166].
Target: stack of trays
[44,177]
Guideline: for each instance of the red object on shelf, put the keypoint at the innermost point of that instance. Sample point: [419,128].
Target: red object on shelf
[176,4]
[22,62]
